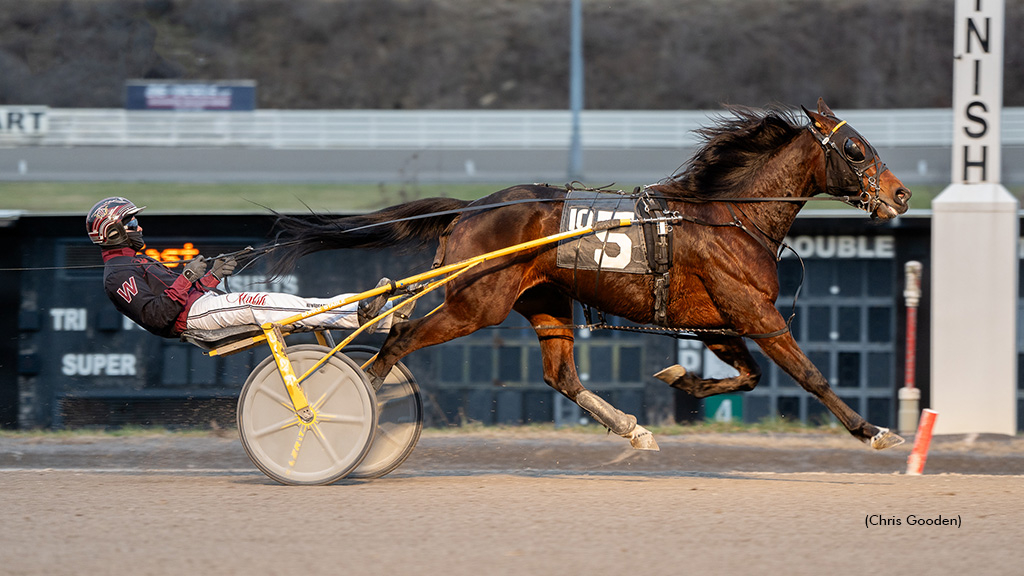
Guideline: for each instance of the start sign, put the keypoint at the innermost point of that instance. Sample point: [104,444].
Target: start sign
[24,121]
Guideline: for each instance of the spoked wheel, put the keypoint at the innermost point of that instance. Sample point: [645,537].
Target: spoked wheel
[399,420]
[324,450]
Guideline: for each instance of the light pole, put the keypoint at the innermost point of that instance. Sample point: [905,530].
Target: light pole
[576,89]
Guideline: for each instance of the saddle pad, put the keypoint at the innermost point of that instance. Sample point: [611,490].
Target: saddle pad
[616,250]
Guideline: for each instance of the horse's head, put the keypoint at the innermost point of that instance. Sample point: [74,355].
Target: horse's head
[853,168]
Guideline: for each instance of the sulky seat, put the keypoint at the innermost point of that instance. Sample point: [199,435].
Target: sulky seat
[213,339]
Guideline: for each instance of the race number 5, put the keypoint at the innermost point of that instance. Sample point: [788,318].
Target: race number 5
[617,239]
[583,217]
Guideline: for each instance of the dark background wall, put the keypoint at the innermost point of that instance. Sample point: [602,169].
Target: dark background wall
[69,359]
[73,360]
[494,54]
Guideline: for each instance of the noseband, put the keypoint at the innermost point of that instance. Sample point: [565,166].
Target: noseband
[846,166]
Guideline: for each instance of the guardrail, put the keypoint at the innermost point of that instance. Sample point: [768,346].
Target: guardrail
[319,129]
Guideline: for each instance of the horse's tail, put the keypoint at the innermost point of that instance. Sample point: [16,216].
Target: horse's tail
[413,223]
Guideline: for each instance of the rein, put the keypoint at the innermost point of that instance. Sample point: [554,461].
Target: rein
[602,324]
[256,253]
[270,247]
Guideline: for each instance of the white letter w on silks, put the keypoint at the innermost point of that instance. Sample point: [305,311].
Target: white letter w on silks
[128,289]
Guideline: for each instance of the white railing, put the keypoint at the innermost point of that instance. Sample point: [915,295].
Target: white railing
[449,128]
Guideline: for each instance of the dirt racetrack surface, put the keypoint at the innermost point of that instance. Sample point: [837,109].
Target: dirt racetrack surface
[516,503]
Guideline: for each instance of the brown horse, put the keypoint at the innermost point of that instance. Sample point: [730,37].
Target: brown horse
[734,204]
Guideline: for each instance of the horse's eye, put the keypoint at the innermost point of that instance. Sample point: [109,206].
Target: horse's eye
[853,150]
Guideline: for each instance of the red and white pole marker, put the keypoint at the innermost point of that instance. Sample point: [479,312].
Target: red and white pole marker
[910,396]
[915,462]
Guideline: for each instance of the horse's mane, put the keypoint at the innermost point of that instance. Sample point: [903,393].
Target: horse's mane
[733,147]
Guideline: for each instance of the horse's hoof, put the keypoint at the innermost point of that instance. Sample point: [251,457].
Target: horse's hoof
[671,374]
[642,439]
[885,439]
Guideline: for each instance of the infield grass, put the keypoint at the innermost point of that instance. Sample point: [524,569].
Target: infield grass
[177,197]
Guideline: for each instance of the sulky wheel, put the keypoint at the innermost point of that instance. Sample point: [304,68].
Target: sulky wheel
[399,420]
[324,450]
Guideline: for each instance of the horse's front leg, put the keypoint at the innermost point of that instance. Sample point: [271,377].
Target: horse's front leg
[731,350]
[785,352]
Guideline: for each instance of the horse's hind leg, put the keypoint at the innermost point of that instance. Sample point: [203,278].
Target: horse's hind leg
[731,350]
[467,308]
[550,314]
[442,326]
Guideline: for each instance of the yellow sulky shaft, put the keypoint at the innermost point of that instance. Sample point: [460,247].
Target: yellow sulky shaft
[275,339]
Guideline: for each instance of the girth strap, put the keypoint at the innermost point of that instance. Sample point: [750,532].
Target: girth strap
[658,236]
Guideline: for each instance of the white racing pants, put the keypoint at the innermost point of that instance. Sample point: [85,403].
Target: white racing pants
[212,311]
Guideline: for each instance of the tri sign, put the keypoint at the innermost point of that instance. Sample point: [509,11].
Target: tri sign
[977,91]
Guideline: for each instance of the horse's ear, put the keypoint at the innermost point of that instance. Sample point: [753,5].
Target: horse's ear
[821,123]
[824,109]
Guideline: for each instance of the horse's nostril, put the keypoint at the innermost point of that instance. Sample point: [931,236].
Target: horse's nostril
[903,195]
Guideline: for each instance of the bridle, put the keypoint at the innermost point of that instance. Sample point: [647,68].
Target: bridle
[857,157]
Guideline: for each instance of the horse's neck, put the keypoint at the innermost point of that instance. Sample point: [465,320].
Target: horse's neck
[792,173]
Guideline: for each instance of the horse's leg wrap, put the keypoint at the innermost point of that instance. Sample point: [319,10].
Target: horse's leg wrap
[617,421]
[611,417]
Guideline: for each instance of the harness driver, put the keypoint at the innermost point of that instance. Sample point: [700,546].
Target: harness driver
[167,303]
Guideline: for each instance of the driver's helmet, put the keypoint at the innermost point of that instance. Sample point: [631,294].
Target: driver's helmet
[109,219]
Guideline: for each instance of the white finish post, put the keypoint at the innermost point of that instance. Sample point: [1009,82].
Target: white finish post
[974,244]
